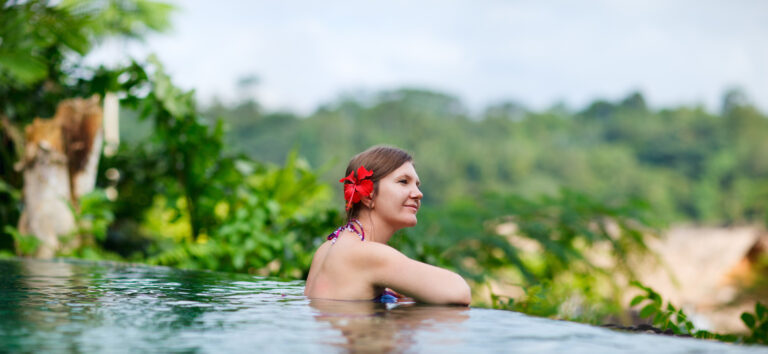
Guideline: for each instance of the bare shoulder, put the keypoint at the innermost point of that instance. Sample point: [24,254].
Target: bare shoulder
[374,254]
[351,254]
[320,254]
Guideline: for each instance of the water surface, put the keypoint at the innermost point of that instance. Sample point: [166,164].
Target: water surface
[78,306]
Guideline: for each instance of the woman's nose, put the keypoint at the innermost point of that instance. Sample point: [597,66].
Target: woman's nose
[416,194]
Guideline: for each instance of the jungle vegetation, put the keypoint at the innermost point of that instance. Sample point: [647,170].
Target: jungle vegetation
[234,187]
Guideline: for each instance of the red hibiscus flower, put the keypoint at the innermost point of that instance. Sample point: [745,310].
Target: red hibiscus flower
[357,188]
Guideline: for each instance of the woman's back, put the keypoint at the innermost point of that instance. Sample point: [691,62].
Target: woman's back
[336,272]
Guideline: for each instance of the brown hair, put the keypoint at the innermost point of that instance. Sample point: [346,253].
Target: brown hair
[380,159]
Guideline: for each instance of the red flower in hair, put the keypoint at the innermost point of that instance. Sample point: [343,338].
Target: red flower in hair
[357,188]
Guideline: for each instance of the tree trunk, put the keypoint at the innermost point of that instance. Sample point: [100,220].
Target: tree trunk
[46,192]
[60,161]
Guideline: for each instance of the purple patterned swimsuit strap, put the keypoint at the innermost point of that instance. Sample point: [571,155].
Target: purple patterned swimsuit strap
[350,226]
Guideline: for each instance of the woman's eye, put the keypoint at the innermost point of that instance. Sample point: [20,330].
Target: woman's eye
[403,181]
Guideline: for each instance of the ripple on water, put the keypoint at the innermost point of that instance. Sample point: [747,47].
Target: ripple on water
[95,307]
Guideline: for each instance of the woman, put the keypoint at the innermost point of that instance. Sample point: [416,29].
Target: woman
[382,196]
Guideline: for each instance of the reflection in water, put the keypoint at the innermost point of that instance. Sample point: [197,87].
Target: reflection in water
[368,326]
[37,296]
[48,289]
[75,306]
[51,303]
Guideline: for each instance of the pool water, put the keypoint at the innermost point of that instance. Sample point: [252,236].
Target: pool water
[76,306]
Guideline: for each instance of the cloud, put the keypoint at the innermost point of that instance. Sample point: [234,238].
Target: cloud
[306,53]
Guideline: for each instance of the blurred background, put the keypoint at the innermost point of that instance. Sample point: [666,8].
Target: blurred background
[572,156]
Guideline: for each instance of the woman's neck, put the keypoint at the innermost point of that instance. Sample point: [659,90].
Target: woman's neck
[376,229]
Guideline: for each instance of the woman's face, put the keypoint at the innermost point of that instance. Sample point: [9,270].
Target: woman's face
[398,197]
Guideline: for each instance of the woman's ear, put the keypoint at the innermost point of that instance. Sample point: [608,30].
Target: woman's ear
[368,201]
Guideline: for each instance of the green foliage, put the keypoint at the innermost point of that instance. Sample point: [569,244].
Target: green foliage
[270,226]
[9,191]
[25,244]
[133,19]
[189,148]
[39,35]
[242,215]
[689,164]
[542,299]
[43,44]
[665,317]
[669,317]
[757,323]
[10,197]
[94,215]
[573,297]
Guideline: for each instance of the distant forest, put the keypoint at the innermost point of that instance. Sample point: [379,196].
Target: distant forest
[688,164]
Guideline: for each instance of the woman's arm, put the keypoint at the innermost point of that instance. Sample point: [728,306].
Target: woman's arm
[389,268]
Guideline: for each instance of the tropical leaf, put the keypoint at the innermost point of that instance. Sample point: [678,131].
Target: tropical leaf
[748,320]
[23,67]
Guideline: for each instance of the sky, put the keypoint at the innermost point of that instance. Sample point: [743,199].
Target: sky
[537,53]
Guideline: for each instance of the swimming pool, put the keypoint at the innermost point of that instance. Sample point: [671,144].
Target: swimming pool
[78,306]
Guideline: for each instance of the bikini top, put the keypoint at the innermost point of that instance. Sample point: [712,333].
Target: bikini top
[350,226]
[387,297]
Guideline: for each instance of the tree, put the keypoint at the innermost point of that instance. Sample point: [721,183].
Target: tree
[43,44]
